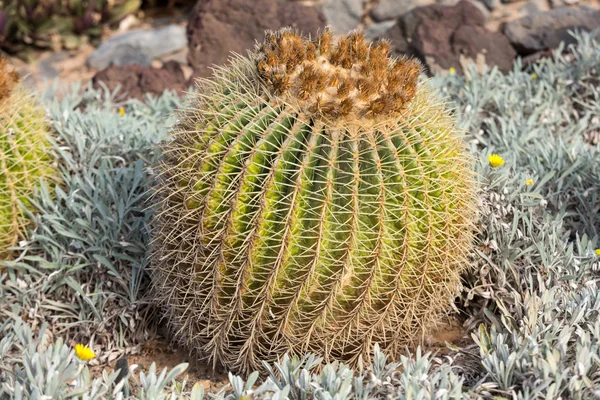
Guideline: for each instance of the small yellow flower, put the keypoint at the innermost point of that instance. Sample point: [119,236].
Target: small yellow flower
[84,352]
[495,160]
[534,76]
[122,111]
[452,70]
[529,182]
[598,252]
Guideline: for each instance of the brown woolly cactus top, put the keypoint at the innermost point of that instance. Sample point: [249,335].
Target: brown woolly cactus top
[350,78]
[8,79]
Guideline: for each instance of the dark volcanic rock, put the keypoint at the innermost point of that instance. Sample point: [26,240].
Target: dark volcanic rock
[218,27]
[535,57]
[439,35]
[545,30]
[135,80]
[470,40]
[432,27]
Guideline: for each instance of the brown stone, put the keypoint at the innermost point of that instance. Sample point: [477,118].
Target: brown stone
[218,27]
[135,81]
[439,35]
[546,30]
[470,40]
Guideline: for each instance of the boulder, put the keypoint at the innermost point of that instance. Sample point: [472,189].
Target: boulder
[138,47]
[392,9]
[342,15]
[135,81]
[378,29]
[218,27]
[545,30]
[443,35]
[470,40]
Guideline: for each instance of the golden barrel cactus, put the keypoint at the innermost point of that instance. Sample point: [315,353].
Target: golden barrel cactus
[24,156]
[316,197]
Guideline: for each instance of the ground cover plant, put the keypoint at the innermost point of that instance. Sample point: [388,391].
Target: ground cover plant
[531,295]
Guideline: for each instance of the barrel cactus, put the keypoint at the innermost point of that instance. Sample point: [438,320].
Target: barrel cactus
[316,197]
[24,156]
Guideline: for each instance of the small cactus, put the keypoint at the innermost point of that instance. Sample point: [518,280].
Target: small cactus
[24,156]
[317,197]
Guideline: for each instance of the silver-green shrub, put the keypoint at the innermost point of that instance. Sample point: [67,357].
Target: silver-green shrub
[549,349]
[36,368]
[535,263]
[83,268]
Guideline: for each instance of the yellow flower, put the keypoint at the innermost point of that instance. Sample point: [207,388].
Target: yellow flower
[122,111]
[84,352]
[495,160]
[452,70]
[534,76]
[598,252]
[529,182]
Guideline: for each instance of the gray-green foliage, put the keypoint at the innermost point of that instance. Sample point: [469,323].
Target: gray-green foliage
[549,349]
[531,299]
[537,242]
[34,367]
[83,269]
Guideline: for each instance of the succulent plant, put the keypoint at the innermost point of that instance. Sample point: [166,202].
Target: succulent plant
[24,155]
[57,23]
[316,197]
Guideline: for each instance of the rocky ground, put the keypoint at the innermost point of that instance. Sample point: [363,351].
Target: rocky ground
[168,355]
[148,55]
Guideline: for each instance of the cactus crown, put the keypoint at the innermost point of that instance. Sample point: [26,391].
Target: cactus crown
[342,80]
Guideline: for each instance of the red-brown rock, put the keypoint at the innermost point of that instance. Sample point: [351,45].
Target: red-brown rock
[439,35]
[546,30]
[470,40]
[218,27]
[135,80]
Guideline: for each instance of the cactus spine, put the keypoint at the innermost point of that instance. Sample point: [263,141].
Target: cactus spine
[316,197]
[24,156]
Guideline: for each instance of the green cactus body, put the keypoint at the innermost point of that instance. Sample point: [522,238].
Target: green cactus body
[316,197]
[24,157]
